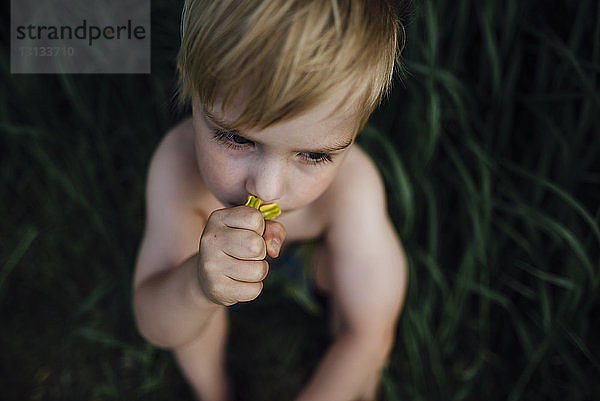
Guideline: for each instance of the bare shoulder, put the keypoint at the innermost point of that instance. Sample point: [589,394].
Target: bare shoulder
[173,190]
[358,185]
[367,261]
[173,166]
[357,202]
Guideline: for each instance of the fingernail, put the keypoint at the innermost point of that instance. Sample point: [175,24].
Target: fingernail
[275,245]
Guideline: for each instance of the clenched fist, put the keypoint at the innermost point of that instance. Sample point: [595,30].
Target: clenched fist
[233,247]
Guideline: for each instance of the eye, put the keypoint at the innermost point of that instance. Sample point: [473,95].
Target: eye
[232,140]
[316,158]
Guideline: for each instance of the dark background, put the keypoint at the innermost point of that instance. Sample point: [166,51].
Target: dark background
[489,146]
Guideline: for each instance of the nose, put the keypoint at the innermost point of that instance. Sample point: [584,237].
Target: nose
[266,180]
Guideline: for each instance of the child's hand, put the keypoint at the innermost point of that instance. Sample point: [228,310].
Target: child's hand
[233,248]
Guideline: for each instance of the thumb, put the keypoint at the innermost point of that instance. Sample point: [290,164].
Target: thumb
[274,236]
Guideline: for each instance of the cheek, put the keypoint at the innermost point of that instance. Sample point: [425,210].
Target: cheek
[307,188]
[218,171]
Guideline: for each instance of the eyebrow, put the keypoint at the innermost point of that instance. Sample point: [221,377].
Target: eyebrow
[335,147]
[219,123]
[332,148]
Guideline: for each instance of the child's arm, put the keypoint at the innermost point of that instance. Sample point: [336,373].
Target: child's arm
[368,286]
[165,278]
[189,264]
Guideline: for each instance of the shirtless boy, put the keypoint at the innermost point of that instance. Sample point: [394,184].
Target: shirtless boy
[279,90]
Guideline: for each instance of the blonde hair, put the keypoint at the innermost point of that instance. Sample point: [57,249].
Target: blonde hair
[287,55]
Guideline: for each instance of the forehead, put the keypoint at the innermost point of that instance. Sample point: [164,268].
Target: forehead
[332,118]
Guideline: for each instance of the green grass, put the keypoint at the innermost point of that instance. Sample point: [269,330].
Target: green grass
[489,147]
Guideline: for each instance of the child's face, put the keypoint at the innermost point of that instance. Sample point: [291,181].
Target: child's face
[290,163]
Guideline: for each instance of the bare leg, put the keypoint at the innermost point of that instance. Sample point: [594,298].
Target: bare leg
[202,361]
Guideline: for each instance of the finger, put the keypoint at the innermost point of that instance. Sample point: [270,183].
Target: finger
[243,217]
[274,236]
[248,272]
[243,244]
[244,292]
